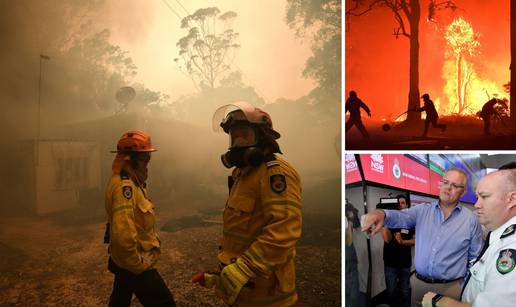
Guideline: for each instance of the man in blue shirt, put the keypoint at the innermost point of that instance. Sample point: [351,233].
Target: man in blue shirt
[448,237]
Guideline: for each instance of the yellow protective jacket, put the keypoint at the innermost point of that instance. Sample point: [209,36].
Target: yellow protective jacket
[262,223]
[134,243]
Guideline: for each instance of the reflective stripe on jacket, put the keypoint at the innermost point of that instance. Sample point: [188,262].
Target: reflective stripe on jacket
[262,223]
[134,243]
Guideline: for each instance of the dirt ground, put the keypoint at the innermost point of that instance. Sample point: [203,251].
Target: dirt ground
[461,134]
[61,261]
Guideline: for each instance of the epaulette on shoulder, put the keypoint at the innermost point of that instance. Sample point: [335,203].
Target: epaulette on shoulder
[272,163]
[509,231]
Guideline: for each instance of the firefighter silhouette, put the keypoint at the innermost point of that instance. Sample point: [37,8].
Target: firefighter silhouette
[490,109]
[431,114]
[353,105]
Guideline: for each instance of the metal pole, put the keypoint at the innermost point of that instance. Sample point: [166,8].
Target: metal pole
[41,58]
[39,111]
[369,285]
[39,98]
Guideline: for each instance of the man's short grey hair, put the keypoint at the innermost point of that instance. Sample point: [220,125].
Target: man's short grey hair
[459,170]
[510,176]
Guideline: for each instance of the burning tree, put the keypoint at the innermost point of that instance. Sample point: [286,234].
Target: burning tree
[462,45]
[466,87]
[407,14]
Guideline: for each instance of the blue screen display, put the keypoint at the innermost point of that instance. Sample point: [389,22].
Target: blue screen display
[471,164]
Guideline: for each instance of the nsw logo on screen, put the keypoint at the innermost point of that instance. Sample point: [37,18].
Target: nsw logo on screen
[396,170]
[377,163]
[351,163]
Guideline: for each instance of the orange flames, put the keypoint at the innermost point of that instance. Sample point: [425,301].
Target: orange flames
[465,89]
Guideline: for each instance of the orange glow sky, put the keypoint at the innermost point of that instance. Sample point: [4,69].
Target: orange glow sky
[377,64]
[271,57]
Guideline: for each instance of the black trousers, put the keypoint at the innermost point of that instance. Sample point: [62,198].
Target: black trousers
[434,123]
[360,126]
[487,125]
[149,288]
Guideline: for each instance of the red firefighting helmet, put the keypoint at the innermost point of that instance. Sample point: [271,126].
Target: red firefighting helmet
[134,141]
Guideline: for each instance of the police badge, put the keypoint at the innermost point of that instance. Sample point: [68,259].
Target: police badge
[278,183]
[506,261]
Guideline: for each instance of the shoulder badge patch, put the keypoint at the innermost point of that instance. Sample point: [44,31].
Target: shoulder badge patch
[278,183]
[127,191]
[506,261]
[508,231]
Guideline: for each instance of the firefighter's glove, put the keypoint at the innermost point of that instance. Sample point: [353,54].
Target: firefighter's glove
[232,278]
[205,279]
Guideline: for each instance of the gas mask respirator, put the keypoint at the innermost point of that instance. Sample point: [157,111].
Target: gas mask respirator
[243,156]
[244,148]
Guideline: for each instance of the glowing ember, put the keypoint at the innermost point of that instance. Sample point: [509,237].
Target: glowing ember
[465,89]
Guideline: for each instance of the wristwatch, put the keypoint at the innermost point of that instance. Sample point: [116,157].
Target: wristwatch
[435,299]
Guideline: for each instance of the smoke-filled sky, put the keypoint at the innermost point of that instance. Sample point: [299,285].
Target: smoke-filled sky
[377,64]
[271,58]
[74,90]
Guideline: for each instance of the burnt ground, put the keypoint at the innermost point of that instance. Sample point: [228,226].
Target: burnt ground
[60,260]
[462,133]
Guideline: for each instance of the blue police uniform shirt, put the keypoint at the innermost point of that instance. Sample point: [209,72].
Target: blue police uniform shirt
[444,249]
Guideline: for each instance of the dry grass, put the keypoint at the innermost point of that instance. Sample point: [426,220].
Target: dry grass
[44,263]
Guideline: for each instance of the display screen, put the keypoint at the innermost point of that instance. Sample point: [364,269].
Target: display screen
[404,172]
[423,158]
[396,170]
[416,200]
[352,174]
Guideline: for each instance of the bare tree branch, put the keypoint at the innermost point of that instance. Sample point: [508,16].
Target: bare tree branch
[352,11]
[401,24]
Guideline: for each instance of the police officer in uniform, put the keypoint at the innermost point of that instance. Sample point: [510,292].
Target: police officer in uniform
[492,277]
[134,246]
[262,217]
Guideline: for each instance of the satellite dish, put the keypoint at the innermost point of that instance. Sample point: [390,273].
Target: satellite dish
[125,94]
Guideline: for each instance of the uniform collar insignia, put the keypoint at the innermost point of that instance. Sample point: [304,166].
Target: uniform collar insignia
[508,231]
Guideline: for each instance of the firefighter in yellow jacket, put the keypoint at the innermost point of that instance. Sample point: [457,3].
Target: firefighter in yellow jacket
[262,217]
[134,246]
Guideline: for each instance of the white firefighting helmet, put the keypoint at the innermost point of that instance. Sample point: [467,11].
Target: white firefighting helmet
[239,120]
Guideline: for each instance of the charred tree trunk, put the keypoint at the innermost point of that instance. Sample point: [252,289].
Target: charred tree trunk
[459,83]
[414,98]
